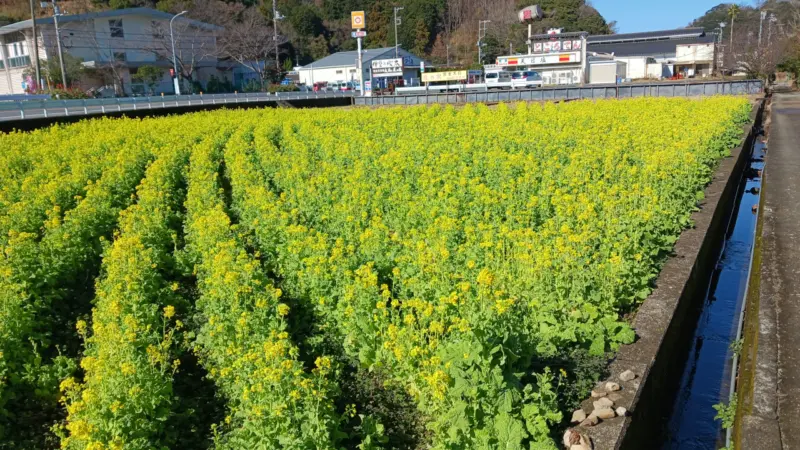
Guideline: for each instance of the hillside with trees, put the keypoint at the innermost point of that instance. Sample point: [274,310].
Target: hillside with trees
[751,45]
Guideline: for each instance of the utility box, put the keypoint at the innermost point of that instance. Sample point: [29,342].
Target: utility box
[607,71]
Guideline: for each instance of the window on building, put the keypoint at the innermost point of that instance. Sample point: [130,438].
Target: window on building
[119,56]
[339,72]
[116,28]
[352,70]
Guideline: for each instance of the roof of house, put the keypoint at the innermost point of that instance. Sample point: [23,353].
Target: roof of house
[148,12]
[350,58]
[663,48]
[679,33]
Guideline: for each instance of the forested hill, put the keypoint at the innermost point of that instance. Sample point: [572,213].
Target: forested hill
[315,28]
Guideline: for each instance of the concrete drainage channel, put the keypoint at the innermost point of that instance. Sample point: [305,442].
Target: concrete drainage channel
[709,375]
[662,387]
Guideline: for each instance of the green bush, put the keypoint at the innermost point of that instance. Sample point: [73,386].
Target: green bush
[273,88]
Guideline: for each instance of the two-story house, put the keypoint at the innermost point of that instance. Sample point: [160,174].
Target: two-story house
[112,46]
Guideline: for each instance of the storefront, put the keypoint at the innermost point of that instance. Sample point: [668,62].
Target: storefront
[559,58]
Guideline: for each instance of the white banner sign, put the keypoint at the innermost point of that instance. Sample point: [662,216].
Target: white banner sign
[554,58]
[387,67]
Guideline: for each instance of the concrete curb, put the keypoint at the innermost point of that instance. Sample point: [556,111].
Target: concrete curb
[655,357]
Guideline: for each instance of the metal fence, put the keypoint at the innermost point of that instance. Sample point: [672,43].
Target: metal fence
[678,89]
[36,109]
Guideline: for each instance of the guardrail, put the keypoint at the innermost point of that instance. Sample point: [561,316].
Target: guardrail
[36,109]
[23,97]
[678,89]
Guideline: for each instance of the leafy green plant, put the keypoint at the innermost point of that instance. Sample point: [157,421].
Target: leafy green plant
[726,412]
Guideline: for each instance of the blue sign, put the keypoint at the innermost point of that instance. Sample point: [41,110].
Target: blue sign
[408,61]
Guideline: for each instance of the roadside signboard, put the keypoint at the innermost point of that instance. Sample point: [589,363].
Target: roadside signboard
[422,66]
[549,59]
[358,20]
[458,75]
[387,67]
[358,34]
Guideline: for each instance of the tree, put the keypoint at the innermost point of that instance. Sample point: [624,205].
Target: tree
[439,52]
[73,66]
[422,37]
[150,76]
[194,45]
[318,48]
[305,21]
[733,11]
[378,22]
[248,41]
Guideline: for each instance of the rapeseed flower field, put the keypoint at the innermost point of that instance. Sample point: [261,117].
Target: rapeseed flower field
[431,277]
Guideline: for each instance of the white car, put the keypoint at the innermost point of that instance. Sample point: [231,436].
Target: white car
[526,79]
[497,79]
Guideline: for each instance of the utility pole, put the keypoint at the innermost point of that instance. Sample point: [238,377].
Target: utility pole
[772,19]
[56,13]
[36,49]
[481,35]
[761,26]
[718,54]
[396,23]
[448,54]
[176,80]
[275,34]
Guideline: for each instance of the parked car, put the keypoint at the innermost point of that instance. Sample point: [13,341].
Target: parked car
[498,80]
[526,79]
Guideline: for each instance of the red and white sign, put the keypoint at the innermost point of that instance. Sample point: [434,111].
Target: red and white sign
[538,60]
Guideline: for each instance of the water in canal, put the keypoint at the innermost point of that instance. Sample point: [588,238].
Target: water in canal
[707,368]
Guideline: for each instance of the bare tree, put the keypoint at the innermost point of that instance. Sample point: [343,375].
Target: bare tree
[249,42]
[759,61]
[195,45]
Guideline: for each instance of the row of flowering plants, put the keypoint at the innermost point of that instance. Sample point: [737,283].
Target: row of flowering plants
[273,400]
[46,280]
[125,398]
[475,263]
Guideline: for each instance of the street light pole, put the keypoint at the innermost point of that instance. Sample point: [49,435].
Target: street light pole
[481,35]
[36,48]
[56,13]
[174,58]
[448,54]
[396,44]
[275,35]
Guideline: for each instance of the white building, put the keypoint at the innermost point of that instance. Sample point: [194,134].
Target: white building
[660,54]
[115,44]
[343,66]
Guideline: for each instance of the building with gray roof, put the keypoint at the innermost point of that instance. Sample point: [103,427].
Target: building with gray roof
[343,67]
[658,54]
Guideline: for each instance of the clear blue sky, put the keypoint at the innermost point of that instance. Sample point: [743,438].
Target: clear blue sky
[651,15]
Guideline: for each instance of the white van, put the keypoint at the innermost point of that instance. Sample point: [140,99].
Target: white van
[498,80]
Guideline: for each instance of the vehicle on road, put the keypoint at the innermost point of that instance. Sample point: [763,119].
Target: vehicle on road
[526,79]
